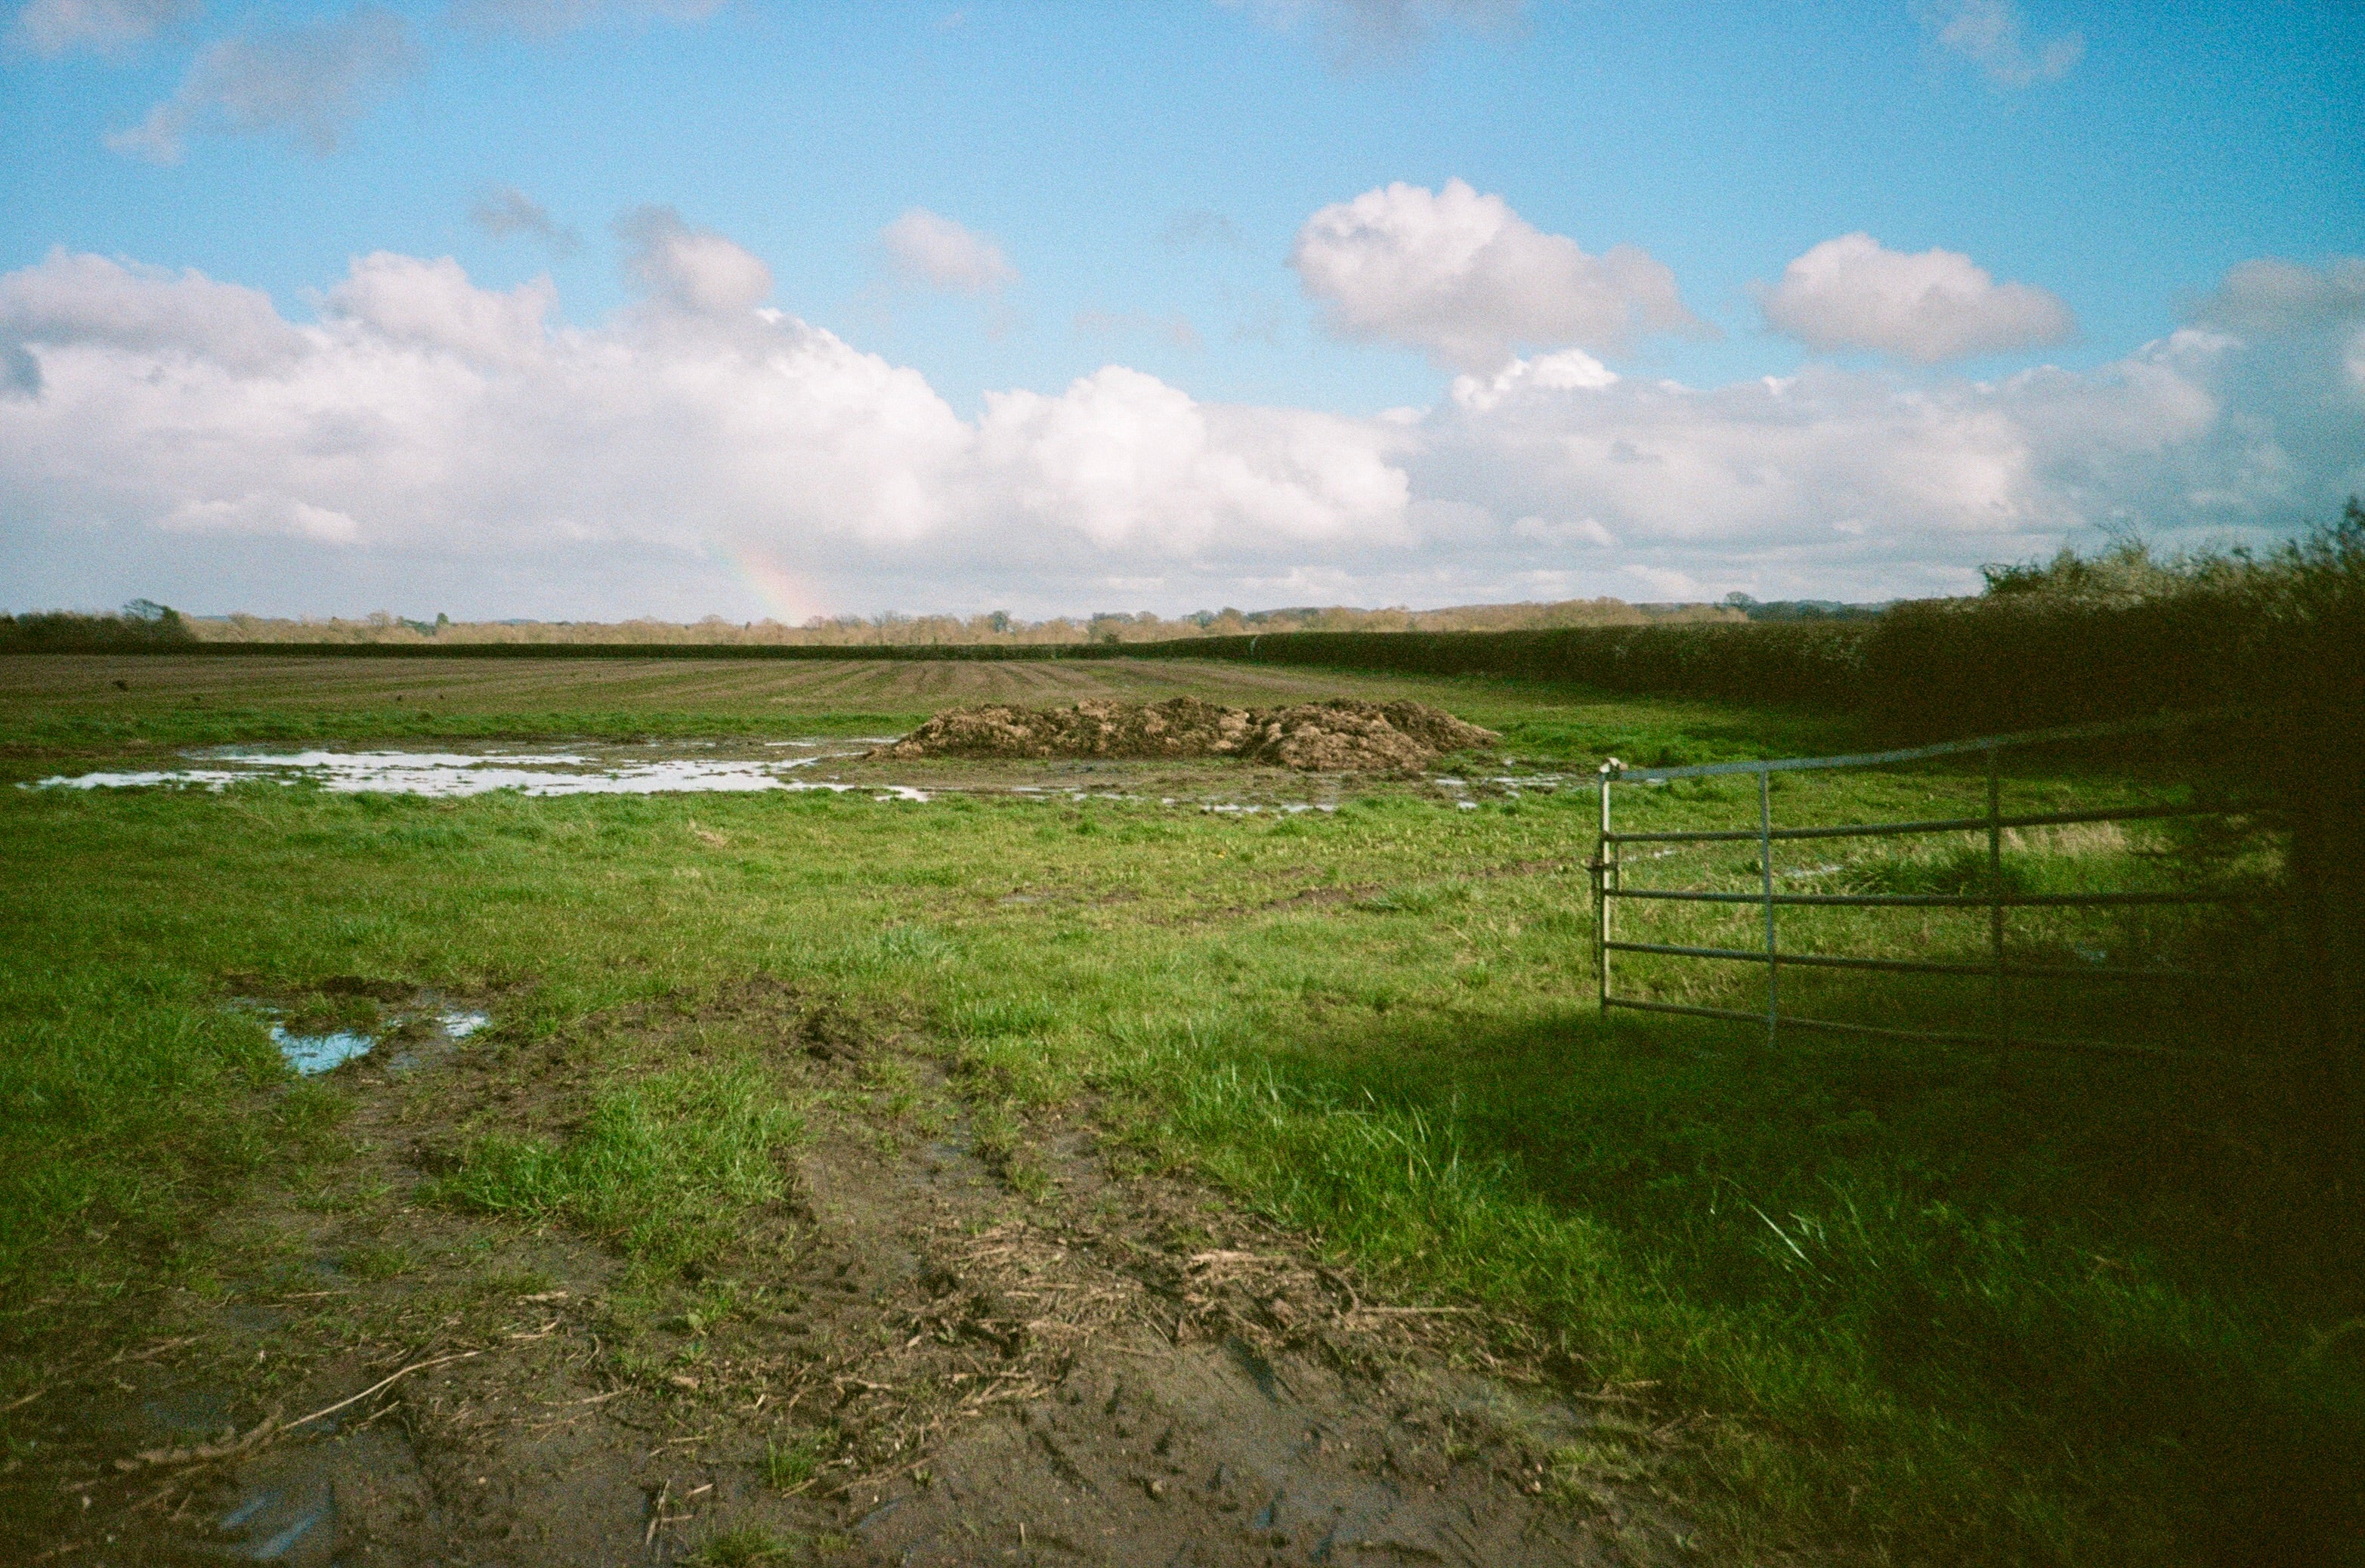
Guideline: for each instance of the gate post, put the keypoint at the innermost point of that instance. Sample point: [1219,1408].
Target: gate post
[1766,867]
[1604,874]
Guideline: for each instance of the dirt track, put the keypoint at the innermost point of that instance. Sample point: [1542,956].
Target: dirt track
[1042,1352]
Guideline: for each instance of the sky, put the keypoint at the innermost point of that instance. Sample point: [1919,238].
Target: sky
[596,308]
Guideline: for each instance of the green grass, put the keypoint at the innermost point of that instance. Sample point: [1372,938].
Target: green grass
[789,1467]
[663,1167]
[743,1547]
[2089,1311]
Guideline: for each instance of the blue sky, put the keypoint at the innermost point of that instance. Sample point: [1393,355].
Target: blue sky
[1146,175]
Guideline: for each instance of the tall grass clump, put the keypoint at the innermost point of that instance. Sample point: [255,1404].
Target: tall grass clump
[95,1064]
[662,1169]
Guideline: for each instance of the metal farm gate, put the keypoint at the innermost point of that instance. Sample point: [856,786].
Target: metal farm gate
[1996,898]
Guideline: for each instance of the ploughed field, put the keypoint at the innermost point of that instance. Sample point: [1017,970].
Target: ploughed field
[880,1156]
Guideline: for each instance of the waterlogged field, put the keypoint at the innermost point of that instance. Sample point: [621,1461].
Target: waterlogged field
[1878,1301]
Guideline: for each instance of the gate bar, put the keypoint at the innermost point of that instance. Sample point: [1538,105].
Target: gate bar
[1932,901]
[1914,966]
[1941,824]
[1944,748]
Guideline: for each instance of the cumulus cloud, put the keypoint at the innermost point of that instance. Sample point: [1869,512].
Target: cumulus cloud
[438,419]
[694,269]
[71,300]
[506,210]
[2275,297]
[546,19]
[1358,33]
[1862,485]
[311,79]
[1466,279]
[1989,33]
[1852,293]
[1563,371]
[431,304]
[107,26]
[937,252]
[451,437]
[1132,463]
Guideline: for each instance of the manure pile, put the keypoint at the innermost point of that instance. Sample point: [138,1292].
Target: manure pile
[1342,736]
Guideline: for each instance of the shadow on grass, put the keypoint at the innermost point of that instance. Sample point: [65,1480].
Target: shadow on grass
[2095,1311]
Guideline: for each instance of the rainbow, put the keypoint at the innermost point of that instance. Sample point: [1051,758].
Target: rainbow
[786,595]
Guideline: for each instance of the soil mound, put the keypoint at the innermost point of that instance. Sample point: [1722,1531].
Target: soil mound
[1340,736]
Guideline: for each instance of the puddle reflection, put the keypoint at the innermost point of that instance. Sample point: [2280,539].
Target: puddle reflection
[627,770]
[446,774]
[310,1054]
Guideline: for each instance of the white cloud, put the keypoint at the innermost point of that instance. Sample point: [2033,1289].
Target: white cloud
[1558,531]
[937,252]
[1987,33]
[108,27]
[1130,462]
[1667,585]
[1466,279]
[448,422]
[695,269]
[506,210]
[311,79]
[424,433]
[262,514]
[2274,297]
[1862,485]
[1852,293]
[74,298]
[1562,371]
[432,305]
[1358,33]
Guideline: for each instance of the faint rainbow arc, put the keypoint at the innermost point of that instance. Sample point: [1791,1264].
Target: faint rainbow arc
[790,597]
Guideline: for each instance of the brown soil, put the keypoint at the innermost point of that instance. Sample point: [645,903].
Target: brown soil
[1339,736]
[950,1345]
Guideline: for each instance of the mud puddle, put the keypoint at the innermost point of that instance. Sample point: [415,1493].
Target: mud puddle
[967,1334]
[428,1026]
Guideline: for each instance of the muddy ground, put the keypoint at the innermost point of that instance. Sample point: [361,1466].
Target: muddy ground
[961,1339]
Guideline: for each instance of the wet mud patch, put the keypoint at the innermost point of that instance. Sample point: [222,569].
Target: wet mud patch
[947,1337]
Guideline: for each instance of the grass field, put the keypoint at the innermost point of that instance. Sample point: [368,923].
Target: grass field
[2083,1311]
